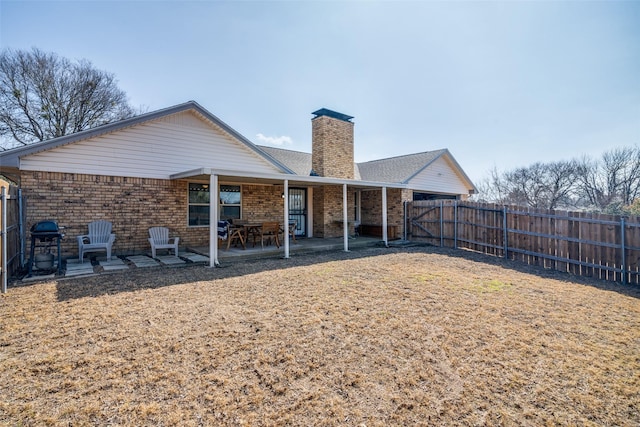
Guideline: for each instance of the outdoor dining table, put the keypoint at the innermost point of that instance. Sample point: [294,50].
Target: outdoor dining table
[243,231]
[251,228]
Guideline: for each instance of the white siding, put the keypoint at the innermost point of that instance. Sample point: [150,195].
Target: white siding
[440,177]
[156,149]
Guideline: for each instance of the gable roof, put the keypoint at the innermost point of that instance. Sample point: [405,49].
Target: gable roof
[298,161]
[394,170]
[11,158]
[400,168]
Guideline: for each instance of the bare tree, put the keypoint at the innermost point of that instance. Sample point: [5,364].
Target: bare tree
[44,96]
[560,179]
[541,185]
[612,182]
[491,189]
[525,185]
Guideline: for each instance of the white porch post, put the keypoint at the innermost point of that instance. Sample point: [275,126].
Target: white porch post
[385,238]
[214,208]
[286,218]
[345,222]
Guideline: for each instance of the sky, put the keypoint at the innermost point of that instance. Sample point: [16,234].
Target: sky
[500,84]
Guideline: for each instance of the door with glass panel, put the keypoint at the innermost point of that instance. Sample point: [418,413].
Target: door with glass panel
[298,209]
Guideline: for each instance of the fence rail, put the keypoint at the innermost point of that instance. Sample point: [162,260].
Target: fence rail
[581,243]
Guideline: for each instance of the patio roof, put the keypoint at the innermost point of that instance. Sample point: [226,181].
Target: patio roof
[216,175]
[245,176]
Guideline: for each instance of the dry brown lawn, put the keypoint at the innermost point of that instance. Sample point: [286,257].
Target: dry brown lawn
[414,336]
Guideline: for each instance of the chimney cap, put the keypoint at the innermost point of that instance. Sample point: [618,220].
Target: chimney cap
[332,114]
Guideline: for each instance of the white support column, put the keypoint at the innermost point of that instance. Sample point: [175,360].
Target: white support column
[385,238]
[345,222]
[214,208]
[286,219]
[310,212]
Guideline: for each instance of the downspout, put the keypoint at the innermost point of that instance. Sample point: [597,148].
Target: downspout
[214,208]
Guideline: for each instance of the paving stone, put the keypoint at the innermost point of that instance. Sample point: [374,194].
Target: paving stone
[35,277]
[76,268]
[79,272]
[142,261]
[114,264]
[193,257]
[171,260]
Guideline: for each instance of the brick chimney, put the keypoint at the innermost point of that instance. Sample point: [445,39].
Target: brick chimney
[332,144]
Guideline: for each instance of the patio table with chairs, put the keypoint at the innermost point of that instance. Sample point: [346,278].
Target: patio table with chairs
[239,232]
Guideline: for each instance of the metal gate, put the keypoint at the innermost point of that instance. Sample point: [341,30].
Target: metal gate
[298,209]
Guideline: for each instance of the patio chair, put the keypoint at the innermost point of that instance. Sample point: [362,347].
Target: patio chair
[292,229]
[159,239]
[223,231]
[236,235]
[268,231]
[100,238]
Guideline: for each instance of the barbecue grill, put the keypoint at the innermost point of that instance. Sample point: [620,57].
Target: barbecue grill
[43,235]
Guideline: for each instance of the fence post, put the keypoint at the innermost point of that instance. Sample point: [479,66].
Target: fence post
[441,224]
[504,229]
[3,229]
[21,232]
[624,255]
[455,224]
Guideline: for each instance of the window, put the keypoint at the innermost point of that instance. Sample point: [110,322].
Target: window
[199,196]
[230,202]
[198,204]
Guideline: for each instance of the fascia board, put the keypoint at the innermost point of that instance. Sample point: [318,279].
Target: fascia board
[318,180]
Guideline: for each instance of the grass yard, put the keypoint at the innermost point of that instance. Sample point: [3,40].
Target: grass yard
[375,337]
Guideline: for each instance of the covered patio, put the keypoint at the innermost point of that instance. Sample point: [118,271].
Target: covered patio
[216,176]
[300,246]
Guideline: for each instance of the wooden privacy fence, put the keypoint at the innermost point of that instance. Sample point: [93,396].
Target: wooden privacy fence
[580,243]
[10,234]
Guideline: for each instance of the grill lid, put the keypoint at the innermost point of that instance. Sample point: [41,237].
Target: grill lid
[45,227]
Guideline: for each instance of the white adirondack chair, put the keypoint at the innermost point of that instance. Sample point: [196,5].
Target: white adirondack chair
[159,239]
[100,238]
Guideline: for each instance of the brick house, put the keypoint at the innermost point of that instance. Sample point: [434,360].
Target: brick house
[161,168]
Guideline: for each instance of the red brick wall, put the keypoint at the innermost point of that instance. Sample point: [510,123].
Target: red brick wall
[371,207]
[332,147]
[327,211]
[262,203]
[133,205]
